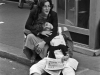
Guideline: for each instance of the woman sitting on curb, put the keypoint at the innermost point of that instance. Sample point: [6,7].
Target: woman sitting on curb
[43,38]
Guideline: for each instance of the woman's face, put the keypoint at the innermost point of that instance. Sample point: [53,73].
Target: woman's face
[46,8]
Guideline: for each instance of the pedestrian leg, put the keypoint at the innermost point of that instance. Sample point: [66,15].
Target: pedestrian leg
[21,3]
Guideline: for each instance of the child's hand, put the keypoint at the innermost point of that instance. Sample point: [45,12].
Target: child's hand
[64,58]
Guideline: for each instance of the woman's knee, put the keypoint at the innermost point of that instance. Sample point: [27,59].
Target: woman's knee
[30,36]
[68,71]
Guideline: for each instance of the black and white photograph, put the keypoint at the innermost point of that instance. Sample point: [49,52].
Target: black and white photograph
[49,37]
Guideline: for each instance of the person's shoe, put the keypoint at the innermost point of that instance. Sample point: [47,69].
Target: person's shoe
[33,59]
[28,52]
[20,7]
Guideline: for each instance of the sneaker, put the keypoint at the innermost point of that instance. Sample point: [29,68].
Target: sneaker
[20,6]
[33,59]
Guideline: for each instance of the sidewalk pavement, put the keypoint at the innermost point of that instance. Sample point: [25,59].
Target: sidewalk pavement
[17,55]
[9,67]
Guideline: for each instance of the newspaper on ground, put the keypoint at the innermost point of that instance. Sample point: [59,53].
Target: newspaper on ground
[54,64]
[53,72]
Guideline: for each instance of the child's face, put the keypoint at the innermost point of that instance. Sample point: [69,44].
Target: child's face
[47,26]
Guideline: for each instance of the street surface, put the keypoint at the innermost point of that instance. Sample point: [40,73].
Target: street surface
[12,22]
[11,31]
[9,67]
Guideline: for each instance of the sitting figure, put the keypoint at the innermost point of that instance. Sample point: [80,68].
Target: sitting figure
[42,38]
[57,50]
[58,47]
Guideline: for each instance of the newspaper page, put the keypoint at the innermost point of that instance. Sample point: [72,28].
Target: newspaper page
[53,72]
[54,64]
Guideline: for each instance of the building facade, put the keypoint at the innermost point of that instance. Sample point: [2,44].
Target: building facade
[82,18]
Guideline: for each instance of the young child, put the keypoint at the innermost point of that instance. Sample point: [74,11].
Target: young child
[42,24]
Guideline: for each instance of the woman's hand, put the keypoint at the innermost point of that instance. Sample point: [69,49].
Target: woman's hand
[46,33]
[64,58]
[40,46]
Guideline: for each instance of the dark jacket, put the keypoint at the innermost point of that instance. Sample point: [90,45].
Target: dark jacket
[63,48]
[52,18]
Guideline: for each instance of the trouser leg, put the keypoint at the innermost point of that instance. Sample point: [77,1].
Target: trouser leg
[38,68]
[28,52]
[32,41]
[68,71]
[21,3]
[29,47]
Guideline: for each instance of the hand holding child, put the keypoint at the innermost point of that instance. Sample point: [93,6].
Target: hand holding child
[64,58]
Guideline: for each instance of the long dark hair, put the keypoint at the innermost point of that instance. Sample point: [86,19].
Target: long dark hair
[41,4]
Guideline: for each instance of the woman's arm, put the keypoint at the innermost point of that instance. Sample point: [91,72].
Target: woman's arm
[54,19]
[31,19]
